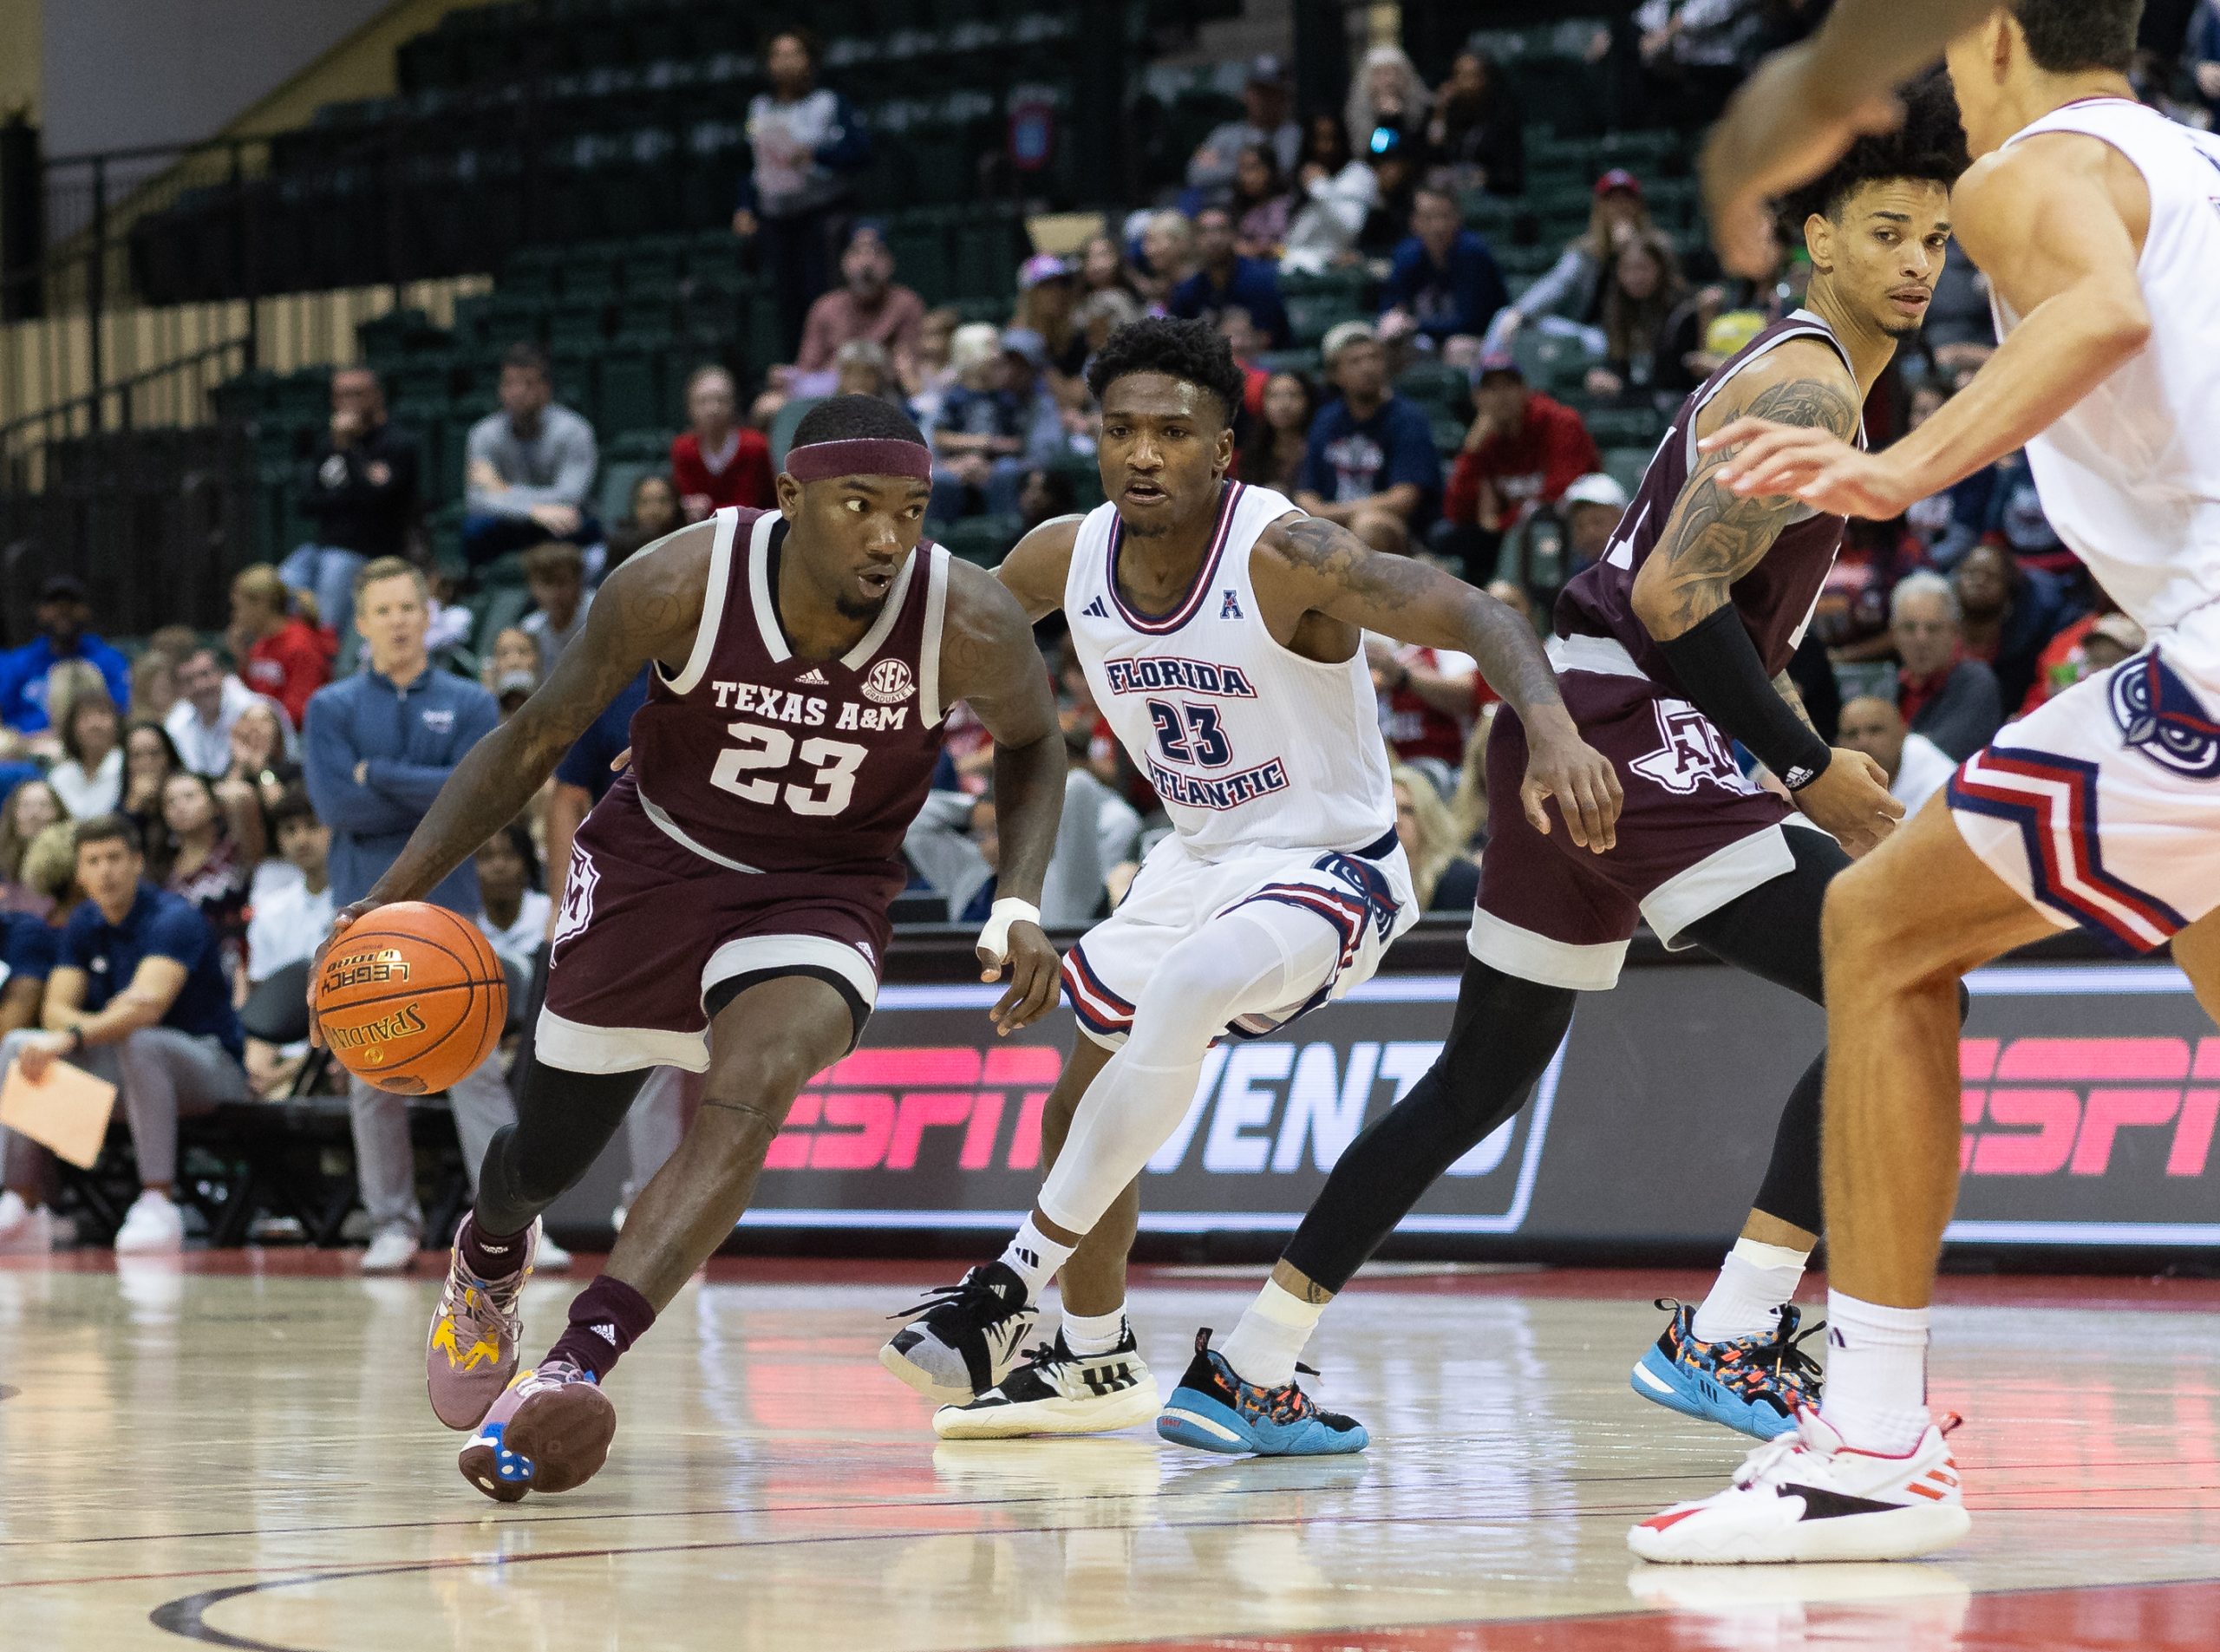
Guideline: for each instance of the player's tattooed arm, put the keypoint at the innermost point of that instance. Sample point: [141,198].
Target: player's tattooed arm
[648,610]
[987,658]
[1713,536]
[1038,565]
[1784,686]
[1325,569]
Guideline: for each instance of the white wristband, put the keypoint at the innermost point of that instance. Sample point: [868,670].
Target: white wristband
[994,940]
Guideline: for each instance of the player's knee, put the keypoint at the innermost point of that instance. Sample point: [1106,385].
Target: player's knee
[1860,925]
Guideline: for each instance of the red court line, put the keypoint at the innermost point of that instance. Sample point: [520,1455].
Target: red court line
[2106,1618]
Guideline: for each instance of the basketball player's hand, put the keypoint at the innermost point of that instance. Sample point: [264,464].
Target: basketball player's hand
[1560,764]
[1032,965]
[1815,465]
[1785,125]
[341,921]
[1850,802]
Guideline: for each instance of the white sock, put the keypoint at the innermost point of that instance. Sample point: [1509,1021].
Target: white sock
[1269,1339]
[1035,1257]
[1089,1335]
[1876,1373]
[1754,1282]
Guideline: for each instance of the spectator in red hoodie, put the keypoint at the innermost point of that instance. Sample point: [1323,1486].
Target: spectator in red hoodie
[283,654]
[719,461]
[1522,451]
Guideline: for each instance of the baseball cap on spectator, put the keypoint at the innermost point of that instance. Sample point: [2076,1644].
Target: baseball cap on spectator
[1595,488]
[1267,70]
[1618,178]
[1042,266]
[63,588]
[1500,364]
[2120,630]
[1027,345]
[1348,333]
[1729,332]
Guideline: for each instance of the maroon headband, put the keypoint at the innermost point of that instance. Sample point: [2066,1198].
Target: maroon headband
[868,456]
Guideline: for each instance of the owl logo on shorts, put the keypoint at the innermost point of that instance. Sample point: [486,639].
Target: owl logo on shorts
[2161,716]
[890,682]
[577,898]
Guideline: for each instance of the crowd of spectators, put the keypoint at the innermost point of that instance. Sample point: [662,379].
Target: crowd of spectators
[180,818]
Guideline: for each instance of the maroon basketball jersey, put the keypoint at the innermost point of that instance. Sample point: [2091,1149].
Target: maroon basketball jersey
[1775,598]
[759,761]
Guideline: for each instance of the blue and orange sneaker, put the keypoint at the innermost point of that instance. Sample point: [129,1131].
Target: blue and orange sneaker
[1212,1409]
[1751,1384]
[549,1432]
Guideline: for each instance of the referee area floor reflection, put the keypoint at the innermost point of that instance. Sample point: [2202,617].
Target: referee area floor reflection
[235,1451]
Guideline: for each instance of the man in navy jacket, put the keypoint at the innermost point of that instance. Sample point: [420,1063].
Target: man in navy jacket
[377,747]
[1443,284]
[1226,279]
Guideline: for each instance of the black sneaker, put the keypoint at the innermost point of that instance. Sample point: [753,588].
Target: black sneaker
[1055,1391]
[960,1346]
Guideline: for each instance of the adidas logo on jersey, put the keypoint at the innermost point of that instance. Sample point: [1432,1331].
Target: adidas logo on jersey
[812,678]
[1095,610]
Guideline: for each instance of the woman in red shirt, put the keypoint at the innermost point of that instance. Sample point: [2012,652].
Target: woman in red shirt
[719,461]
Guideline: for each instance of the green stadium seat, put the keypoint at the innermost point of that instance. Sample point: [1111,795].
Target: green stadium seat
[1625,465]
[782,433]
[1313,315]
[984,540]
[632,390]
[1624,427]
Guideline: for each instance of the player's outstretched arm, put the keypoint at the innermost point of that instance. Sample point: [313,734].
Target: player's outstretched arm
[648,609]
[987,658]
[1038,565]
[1682,596]
[1328,570]
[2049,220]
[1804,104]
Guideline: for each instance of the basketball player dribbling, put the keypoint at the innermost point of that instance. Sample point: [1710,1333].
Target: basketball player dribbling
[2097,223]
[725,909]
[1677,640]
[1221,632]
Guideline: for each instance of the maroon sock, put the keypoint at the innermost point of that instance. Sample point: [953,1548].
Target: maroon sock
[490,1255]
[607,1317]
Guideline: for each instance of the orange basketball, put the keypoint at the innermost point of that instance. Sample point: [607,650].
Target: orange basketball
[411,997]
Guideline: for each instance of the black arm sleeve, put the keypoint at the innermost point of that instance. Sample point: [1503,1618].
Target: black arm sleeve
[1718,664]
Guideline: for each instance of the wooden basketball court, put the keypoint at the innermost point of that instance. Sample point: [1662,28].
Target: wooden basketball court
[236,1451]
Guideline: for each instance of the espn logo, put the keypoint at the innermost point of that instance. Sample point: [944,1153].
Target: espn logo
[871,1111]
[2035,1107]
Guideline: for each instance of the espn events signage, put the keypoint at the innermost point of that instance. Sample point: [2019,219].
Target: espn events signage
[936,1122]
[2091,1100]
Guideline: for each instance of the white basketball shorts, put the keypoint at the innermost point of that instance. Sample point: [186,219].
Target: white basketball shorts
[2102,807]
[1364,894]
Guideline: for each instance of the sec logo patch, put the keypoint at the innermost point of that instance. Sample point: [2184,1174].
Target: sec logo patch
[889,680]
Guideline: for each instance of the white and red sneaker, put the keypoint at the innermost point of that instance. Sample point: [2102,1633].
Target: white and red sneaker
[1810,1495]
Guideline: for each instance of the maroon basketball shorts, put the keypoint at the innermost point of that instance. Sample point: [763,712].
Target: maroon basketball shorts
[1694,835]
[652,939]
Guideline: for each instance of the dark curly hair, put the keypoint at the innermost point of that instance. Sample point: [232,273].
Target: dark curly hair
[854,418]
[2068,36]
[1931,144]
[1194,352]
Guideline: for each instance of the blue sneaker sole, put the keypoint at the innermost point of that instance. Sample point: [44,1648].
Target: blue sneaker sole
[1660,1382]
[1197,1419]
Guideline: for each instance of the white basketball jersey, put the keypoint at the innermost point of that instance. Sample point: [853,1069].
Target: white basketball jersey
[1249,744]
[2130,476]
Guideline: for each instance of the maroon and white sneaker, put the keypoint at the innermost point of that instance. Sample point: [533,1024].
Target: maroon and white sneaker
[472,1351]
[1810,1495]
[549,1432]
